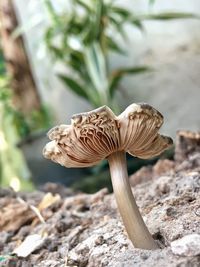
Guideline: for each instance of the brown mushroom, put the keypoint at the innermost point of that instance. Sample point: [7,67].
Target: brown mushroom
[99,134]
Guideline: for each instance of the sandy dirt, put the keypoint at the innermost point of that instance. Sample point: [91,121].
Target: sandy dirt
[86,230]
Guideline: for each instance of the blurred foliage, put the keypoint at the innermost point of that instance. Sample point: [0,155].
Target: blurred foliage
[85,49]
[82,37]
[14,126]
[25,125]
[13,170]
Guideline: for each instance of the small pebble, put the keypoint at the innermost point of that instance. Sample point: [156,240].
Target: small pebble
[197,211]
[100,240]
[187,246]
[171,212]
[144,256]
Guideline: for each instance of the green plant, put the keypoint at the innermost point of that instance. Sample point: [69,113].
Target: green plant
[14,171]
[82,38]
[14,126]
[85,49]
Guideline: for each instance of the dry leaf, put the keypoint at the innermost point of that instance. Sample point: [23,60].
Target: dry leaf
[48,200]
[14,215]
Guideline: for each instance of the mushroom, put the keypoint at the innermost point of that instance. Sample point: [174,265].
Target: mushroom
[99,134]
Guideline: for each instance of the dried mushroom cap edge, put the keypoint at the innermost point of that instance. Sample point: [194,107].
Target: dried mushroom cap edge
[63,132]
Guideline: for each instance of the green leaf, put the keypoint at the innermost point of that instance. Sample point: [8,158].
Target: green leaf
[137,23]
[124,13]
[95,27]
[2,64]
[132,70]
[84,5]
[151,2]
[98,27]
[90,95]
[114,46]
[75,58]
[96,66]
[74,86]
[114,82]
[118,27]
[117,75]
[55,19]
[95,62]
[169,16]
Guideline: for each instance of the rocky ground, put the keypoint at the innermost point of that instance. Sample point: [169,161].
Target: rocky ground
[67,229]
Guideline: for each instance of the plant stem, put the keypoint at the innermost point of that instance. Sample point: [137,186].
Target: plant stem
[133,222]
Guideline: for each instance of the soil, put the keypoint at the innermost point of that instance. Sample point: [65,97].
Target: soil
[79,229]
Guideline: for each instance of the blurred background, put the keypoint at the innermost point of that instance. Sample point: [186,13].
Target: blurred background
[62,57]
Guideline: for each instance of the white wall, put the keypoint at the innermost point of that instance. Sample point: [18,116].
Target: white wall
[172,48]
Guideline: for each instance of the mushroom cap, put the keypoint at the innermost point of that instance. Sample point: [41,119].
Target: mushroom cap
[93,136]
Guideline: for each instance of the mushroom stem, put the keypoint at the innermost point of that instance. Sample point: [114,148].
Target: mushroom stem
[133,222]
